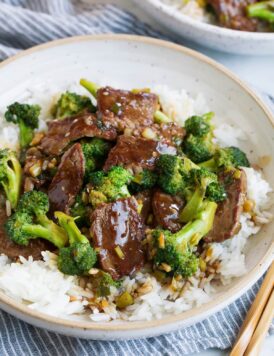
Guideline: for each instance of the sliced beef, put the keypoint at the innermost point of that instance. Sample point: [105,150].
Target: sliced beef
[232,14]
[13,250]
[135,153]
[62,132]
[119,225]
[144,198]
[166,209]
[227,218]
[133,113]
[125,109]
[68,179]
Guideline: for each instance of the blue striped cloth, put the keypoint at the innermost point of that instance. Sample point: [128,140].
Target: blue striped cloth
[25,23]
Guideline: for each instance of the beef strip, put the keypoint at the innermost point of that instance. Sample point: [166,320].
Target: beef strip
[122,108]
[13,250]
[133,113]
[135,153]
[166,209]
[62,132]
[232,14]
[68,179]
[227,217]
[118,224]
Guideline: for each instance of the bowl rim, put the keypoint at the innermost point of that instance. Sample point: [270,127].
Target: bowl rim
[208,27]
[204,310]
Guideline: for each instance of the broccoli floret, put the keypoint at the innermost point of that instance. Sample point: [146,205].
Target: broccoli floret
[199,125]
[109,186]
[102,283]
[171,177]
[198,144]
[176,250]
[10,176]
[226,158]
[173,173]
[198,149]
[263,10]
[70,104]
[79,257]
[202,182]
[146,179]
[30,221]
[95,151]
[26,117]
[215,192]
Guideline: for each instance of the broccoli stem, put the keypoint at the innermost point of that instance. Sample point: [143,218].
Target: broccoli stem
[90,86]
[25,134]
[68,223]
[263,10]
[193,205]
[160,117]
[210,165]
[193,231]
[14,176]
[47,230]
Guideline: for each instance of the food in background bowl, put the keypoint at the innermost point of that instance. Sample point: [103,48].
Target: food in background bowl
[129,205]
[243,15]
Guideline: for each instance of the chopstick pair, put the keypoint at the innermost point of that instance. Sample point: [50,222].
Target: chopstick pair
[258,319]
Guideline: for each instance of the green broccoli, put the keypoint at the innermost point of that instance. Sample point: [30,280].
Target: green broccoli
[26,117]
[102,282]
[146,179]
[70,104]
[263,10]
[176,250]
[201,181]
[90,86]
[198,144]
[95,151]
[10,176]
[109,186]
[226,158]
[199,126]
[79,257]
[173,173]
[30,221]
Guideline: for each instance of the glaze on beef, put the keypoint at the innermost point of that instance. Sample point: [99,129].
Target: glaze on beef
[118,224]
[145,198]
[68,180]
[232,14]
[166,209]
[133,113]
[62,132]
[133,153]
[13,250]
[125,109]
[227,217]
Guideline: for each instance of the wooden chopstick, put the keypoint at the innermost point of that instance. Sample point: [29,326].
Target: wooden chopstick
[255,343]
[254,314]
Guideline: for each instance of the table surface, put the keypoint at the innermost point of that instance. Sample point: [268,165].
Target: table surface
[258,71]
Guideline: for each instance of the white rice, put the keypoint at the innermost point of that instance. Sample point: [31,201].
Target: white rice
[41,286]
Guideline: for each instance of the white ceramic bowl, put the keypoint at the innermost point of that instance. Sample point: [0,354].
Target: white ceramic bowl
[131,62]
[207,35]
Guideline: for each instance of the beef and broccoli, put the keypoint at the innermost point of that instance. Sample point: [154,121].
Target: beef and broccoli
[116,186]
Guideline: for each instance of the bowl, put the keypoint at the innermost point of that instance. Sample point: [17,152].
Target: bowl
[127,62]
[209,35]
